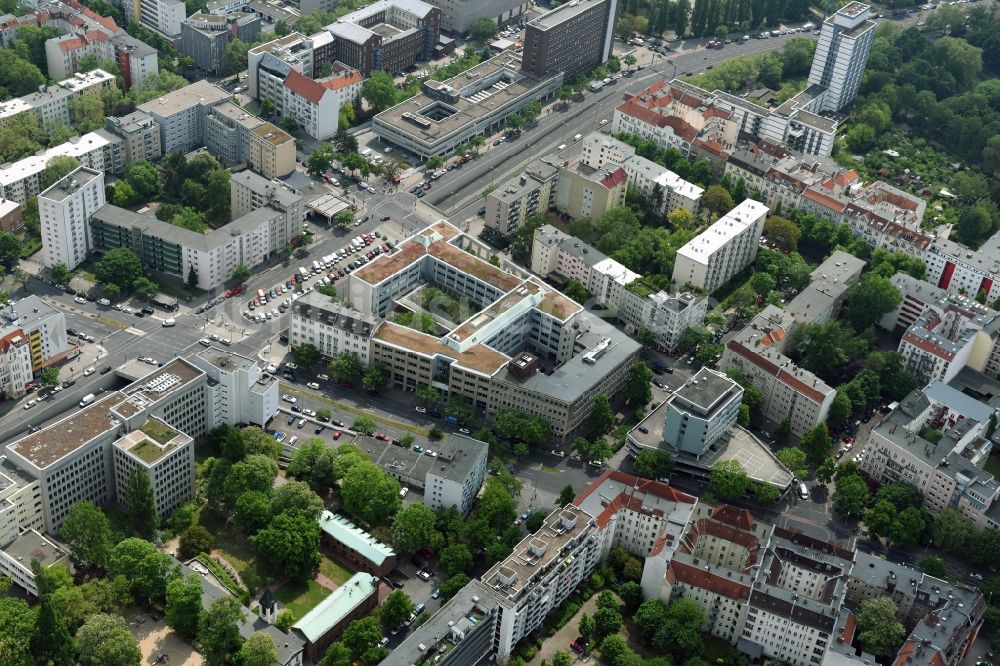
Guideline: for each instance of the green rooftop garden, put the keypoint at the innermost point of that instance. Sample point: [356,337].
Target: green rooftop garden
[148,452]
[158,430]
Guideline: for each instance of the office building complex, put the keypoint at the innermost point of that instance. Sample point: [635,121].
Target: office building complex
[204,36]
[701,412]
[64,211]
[165,456]
[181,115]
[52,104]
[331,327]
[715,255]
[100,151]
[42,325]
[559,257]
[952,333]
[140,135]
[457,16]
[387,34]
[789,391]
[841,55]
[245,393]
[449,113]
[883,215]
[937,439]
[573,38]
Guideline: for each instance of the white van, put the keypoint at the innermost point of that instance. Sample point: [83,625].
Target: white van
[167,323]
[366,152]
[87,399]
[803,491]
[103,301]
[577,137]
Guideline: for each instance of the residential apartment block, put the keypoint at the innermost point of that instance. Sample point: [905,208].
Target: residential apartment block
[715,255]
[559,257]
[701,412]
[330,326]
[952,333]
[918,296]
[44,327]
[204,36]
[140,135]
[841,54]
[789,391]
[524,346]
[883,215]
[961,270]
[531,192]
[52,104]
[15,364]
[820,302]
[239,137]
[99,151]
[448,113]
[586,192]
[573,38]
[64,211]
[181,115]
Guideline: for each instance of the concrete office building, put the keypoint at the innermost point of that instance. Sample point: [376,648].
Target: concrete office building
[16,557]
[43,325]
[573,38]
[15,364]
[822,299]
[64,211]
[954,332]
[100,151]
[204,36]
[841,54]
[715,255]
[181,115]
[789,391]
[245,393]
[917,295]
[322,625]
[387,34]
[701,412]
[331,327]
[936,439]
[140,135]
[448,113]
[458,15]
[20,504]
[531,192]
[353,545]
[165,456]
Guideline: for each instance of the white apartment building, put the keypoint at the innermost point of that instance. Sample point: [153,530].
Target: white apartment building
[20,503]
[724,249]
[841,54]
[789,391]
[331,327]
[820,302]
[314,107]
[99,151]
[917,295]
[936,440]
[457,475]
[181,115]
[51,104]
[141,136]
[701,412]
[16,557]
[458,16]
[15,364]
[960,270]
[42,324]
[165,456]
[64,211]
[248,191]
[531,192]
[666,315]
[244,393]
[952,333]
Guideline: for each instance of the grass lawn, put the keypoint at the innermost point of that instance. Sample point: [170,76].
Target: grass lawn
[300,598]
[233,546]
[333,570]
[715,649]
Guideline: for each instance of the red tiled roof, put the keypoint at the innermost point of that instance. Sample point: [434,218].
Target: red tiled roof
[106,21]
[639,485]
[615,178]
[303,86]
[342,81]
[71,44]
[824,200]
[927,346]
[845,177]
[772,369]
[731,515]
[97,36]
[850,624]
[713,147]
[8,340]
[705,580]
[716,112]
[681,128]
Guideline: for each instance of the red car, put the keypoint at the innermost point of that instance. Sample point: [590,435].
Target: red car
[382,437]
[337,434]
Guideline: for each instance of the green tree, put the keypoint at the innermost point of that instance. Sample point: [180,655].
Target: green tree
[575,290]
[51,643]
[87,532]
[346,367]
[607,621]
[296,497]
[649,618]
[143,569]
[320,160]
[234,57]
[49,376]
[601,418]
[484,29]
[766,493]
[255,472]
[850,496]
[868,300]
[729,480]
[783,233]
[717,200]
[379,90]
[337,655]
[370,494]
[17,628]
[933,566]
[681,634]
[826,470]
[429,395]
[861,138]
[637,389]
[86,113]
[375,378]
[434,162]
[289,545]
[566,495]
[880,632]
[415,527]
[57,168]
[364,425]
[120,267]
[285,619]
[141,502]
[61,273]
[219,631]
[241,272]
[951,530]
[395,609]
[840,410]
[344,218]
[816,443]
[258,650]
[455,559]
[306,354]
[194,541]
[104,640]
[452,586]
[653,464]
[184,607]
[361,635]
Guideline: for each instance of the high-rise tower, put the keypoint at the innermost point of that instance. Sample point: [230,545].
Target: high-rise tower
[841,54]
